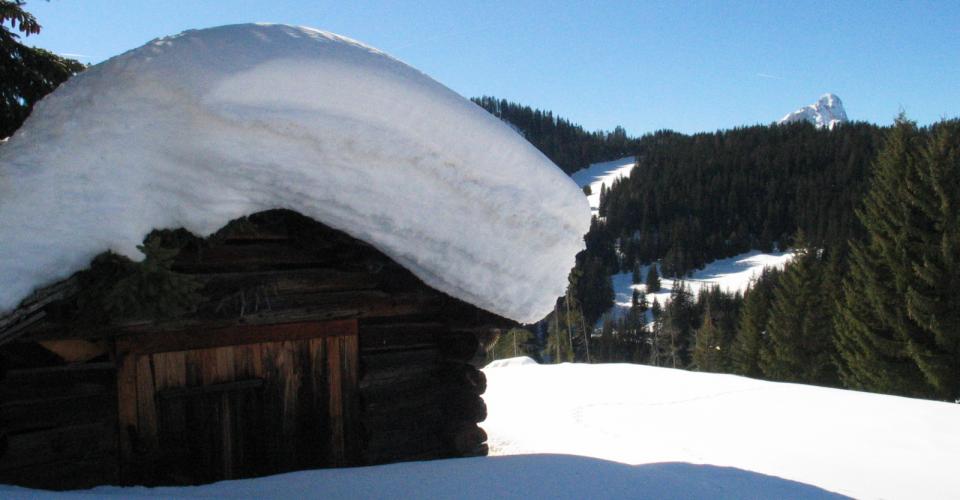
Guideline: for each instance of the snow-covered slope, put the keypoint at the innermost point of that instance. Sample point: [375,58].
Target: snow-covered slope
[598,174]
[731,275]
[197,129]
[826,112]
[859,444]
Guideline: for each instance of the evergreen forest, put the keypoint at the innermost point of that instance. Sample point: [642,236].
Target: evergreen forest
[871,300]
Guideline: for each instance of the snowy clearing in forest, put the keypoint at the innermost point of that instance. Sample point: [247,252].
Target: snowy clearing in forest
[598,174]
[734,274]
[854,443]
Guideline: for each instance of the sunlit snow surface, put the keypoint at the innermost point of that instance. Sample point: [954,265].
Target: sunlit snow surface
[854,443]
[599,174]
[197,129]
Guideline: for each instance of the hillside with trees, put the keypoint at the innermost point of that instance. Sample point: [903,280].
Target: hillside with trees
[565,143]
[870,301]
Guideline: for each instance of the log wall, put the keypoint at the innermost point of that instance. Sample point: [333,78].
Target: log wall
[58,426]
[404,386]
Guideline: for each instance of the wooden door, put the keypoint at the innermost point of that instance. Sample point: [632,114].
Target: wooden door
[211,432]
[196,407]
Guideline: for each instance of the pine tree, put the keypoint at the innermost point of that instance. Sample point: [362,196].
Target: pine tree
[800,347]
[874,332]
[933,298]
[559,338]
[516,342]
[26,73]
[707,349]
[653,279]
[751,332]
[678,320]
[658,344]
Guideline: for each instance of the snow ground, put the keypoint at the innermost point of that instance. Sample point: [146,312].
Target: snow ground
[854,443]
[602,173]
[731,275]
[516,477]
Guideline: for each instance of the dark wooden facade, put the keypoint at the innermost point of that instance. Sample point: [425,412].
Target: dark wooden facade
[307,349]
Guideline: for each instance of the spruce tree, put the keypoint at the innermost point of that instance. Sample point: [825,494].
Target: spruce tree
[516,342]
[707,349]
[800,329]
[658,342]
[933,298]
[559,346]
[875,335]
[679,317]
[653,279]
[751,332]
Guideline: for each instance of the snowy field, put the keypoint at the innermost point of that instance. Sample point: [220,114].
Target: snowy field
[853,443]
[731,275]
[598,174]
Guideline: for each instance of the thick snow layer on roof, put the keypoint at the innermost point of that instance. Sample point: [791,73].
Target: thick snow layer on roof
[197,129]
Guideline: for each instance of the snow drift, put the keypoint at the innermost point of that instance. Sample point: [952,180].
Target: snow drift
[197,129]
[852,443]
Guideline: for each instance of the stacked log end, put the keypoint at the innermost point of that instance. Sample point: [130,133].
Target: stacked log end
[420,393]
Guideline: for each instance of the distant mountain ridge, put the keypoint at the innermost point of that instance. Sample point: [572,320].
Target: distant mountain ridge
[827,112]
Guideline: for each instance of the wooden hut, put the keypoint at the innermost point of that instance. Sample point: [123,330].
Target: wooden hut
[303,348]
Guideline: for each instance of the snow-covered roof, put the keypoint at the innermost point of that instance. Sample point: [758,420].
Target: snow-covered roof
[199,128]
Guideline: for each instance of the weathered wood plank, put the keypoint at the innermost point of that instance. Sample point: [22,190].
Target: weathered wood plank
[243,360]
[193,364]
[424,418]
[289,377]
[273,433]
[96,373]
[374,362]
[49,446]
[335,407]
[148,426]
[18,416]
[350,367]
[205,338]
[127,420]
[170,369]
[398,336]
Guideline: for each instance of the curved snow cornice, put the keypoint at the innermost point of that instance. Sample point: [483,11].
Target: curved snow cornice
[200,128]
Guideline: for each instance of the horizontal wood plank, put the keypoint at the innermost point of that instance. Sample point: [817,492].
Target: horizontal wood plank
[203,338]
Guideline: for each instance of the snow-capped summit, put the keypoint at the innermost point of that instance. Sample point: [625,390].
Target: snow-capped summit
[826,112]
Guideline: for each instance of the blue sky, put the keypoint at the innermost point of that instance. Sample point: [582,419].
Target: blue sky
[687,66]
